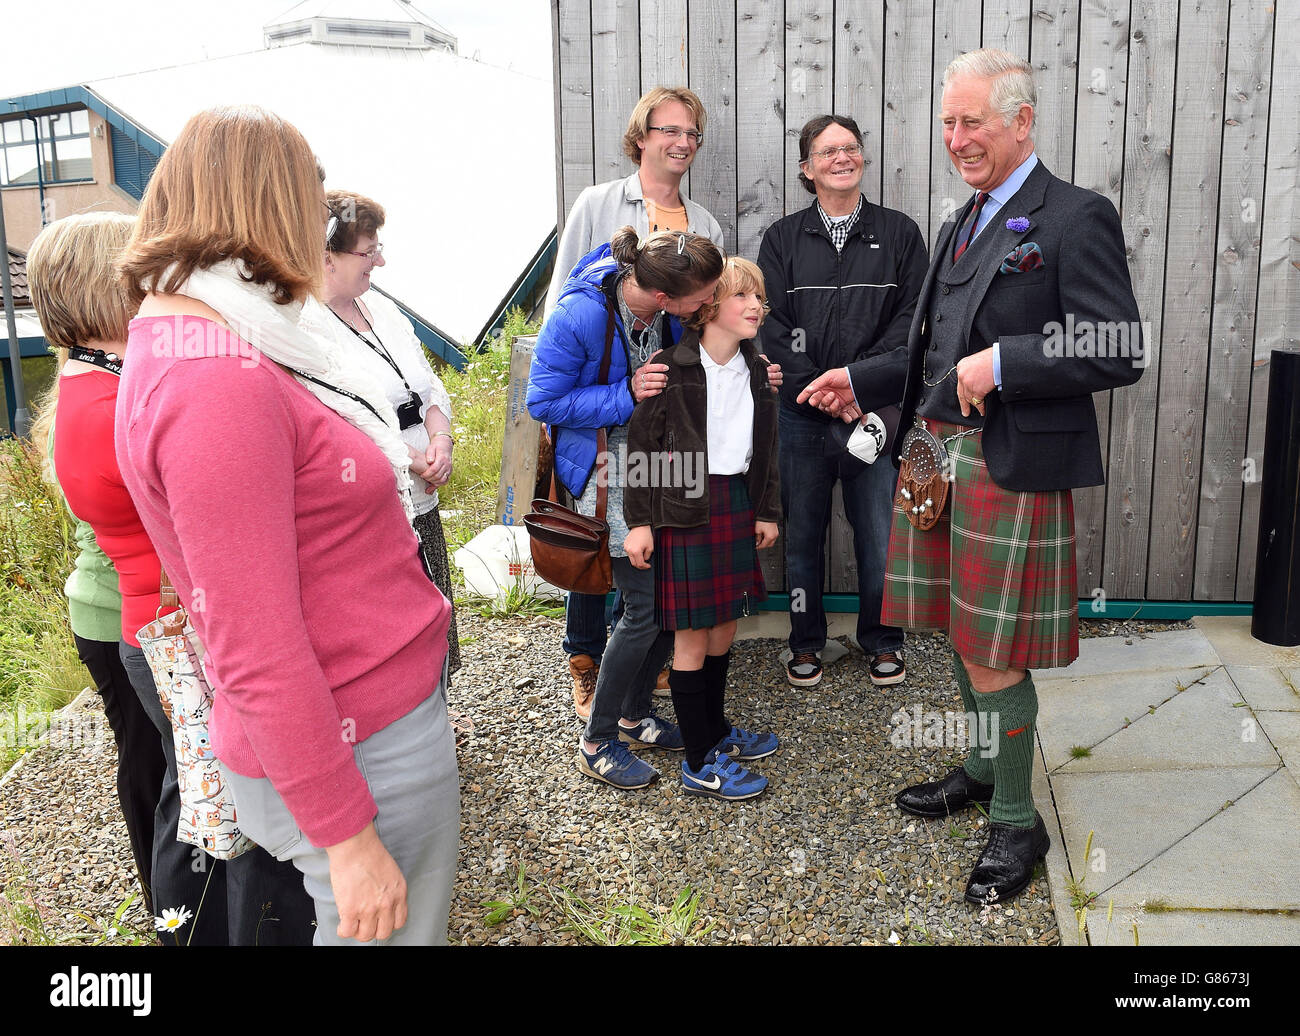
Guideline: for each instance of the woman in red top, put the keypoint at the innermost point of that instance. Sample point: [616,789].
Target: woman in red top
[83,308]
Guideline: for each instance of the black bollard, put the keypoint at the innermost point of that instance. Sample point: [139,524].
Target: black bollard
[1276,618]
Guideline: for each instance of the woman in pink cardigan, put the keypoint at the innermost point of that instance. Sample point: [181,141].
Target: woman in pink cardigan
[280,507]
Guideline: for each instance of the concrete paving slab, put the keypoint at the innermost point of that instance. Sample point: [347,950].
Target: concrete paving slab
[1275,689]
[1135,817]
[776,625]
[1192,928]
[1058,867]
[1176,649]
[1247,857]
[1230,637]
[1084,710]
[1283,729]
[1197,728]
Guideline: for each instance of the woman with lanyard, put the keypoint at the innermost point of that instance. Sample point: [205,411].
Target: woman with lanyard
[386,346]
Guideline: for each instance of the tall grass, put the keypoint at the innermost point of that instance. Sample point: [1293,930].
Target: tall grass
[478,405]
[39,668]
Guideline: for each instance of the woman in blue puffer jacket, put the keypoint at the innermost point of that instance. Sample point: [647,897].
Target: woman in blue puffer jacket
[641,290]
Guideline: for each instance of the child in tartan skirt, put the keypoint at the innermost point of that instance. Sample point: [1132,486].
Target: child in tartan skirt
[708,501]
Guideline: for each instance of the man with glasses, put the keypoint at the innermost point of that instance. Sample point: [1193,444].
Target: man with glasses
[664,133]
[842,278]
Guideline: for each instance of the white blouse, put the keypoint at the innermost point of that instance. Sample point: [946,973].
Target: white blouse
[730,416]
[398,338]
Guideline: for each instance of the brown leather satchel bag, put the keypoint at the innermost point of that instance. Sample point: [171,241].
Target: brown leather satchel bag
[569,549]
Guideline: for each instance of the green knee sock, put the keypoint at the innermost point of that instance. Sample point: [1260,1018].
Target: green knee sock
[1015,709]
[979,767]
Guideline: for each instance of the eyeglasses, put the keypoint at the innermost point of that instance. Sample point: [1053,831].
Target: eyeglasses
[374,253]
[676,131]
[827,153]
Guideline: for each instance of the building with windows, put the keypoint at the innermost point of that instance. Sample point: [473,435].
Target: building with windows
[459,153]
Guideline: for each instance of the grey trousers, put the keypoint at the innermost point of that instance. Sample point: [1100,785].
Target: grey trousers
[410,767]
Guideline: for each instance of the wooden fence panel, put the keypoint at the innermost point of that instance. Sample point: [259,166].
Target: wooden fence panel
[859,68]
[909,119]
[615,81]
[957,29]
[1189,296]
[1099,166]
[575,161]
[712,46]
[1236,275]
[809,86]
[1144,214]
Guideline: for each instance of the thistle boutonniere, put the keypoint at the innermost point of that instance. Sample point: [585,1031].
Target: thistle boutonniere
[1018,223]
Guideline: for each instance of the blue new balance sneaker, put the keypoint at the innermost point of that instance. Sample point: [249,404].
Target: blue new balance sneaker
[652,732]
[721,777]
[745,745]
[614,764]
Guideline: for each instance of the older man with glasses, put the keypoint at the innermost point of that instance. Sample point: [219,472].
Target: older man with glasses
[842,279]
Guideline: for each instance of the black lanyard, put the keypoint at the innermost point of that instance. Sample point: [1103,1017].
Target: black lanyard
[380,349]
[110,362]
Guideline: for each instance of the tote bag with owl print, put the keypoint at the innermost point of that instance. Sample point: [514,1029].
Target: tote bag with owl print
[175,656]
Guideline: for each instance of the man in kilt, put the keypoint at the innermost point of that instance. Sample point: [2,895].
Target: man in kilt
[994,374]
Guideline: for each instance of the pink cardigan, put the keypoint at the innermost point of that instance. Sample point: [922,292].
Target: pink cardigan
[280,526]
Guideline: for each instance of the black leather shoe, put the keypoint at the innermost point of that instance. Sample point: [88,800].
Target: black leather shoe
[1007,863]
[943,797]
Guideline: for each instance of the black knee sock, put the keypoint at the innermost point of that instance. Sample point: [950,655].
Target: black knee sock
[715,692]
[691,704]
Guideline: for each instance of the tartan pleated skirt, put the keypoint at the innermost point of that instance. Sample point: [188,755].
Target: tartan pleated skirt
[997,571]
[710,575]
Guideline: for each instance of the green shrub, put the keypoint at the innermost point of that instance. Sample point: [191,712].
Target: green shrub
[478,405]
[39,668]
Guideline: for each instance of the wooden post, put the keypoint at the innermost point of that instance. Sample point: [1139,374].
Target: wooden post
[519,448]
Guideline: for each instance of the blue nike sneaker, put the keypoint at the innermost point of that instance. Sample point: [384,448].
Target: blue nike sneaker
[721,777]
[745,746]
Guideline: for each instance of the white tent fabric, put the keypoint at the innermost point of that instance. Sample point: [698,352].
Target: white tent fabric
[459,153]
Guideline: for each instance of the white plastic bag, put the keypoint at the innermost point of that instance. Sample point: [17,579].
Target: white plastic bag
[498,559]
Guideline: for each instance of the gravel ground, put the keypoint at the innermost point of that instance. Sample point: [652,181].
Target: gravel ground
[824,857]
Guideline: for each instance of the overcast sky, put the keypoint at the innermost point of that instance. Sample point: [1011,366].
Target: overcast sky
[52,43]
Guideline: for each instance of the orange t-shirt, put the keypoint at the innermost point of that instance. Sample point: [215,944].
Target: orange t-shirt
[661,217]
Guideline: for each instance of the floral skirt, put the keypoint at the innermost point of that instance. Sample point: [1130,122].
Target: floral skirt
[429,526]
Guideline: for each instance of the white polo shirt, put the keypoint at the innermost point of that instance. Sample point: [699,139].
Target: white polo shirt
[731,414]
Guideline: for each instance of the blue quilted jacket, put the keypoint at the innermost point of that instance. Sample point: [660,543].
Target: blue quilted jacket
[563,388]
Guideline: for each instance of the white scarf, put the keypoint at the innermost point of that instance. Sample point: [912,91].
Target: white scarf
[297,337]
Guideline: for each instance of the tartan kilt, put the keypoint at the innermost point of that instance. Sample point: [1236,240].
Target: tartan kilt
[1010,600]
[709,575]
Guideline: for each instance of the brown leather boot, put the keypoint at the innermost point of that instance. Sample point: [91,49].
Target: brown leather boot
[662,689]
[584,672]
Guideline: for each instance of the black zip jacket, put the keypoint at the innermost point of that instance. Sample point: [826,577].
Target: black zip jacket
[831,309]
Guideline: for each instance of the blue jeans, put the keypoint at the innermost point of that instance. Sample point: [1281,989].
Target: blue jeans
[586,623]
[807,481]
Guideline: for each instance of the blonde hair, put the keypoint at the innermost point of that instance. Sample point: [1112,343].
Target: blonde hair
[638,124]
[239,182]
[669,261]
[737,275]
[1013,79]
[73,281]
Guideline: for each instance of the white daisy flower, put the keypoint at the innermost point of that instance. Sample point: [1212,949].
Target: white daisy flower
[172,918]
